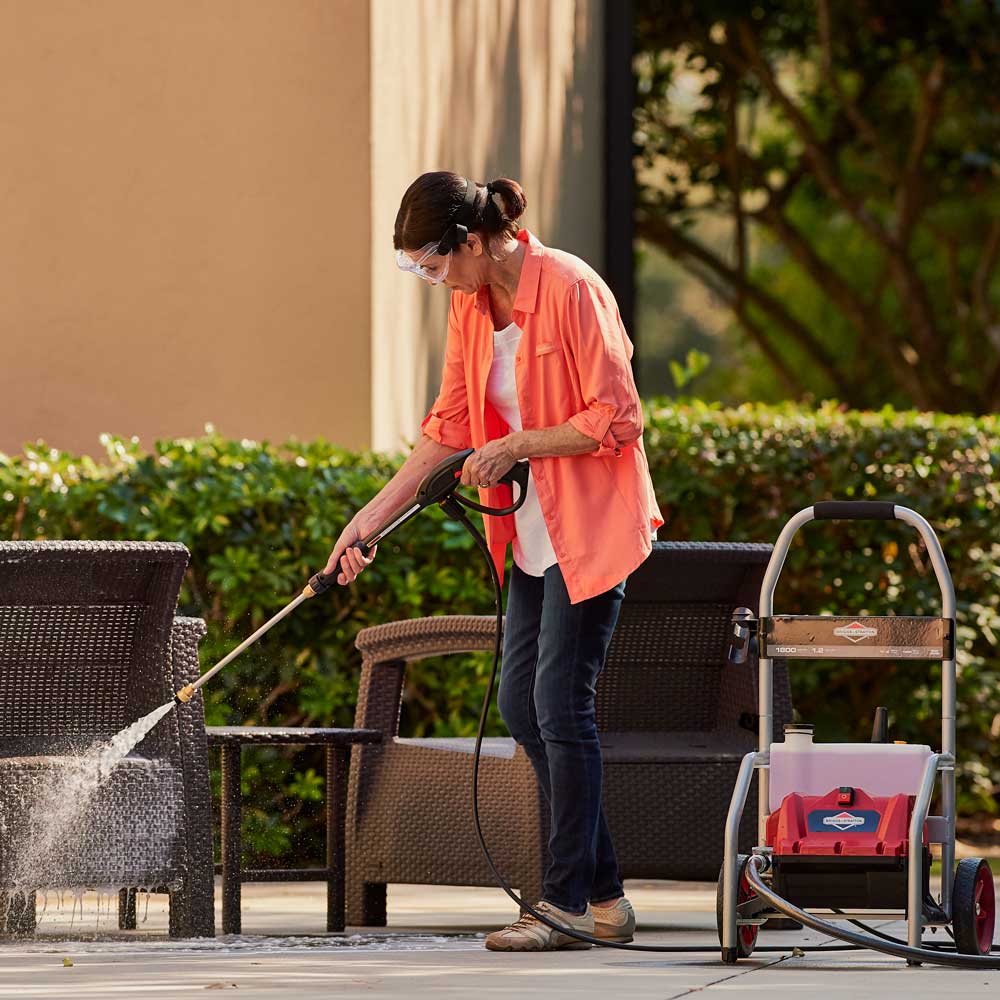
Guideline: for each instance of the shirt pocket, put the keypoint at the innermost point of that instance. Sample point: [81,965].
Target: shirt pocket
[541,349]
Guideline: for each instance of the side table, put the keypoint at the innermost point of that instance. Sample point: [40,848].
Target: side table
[338,743]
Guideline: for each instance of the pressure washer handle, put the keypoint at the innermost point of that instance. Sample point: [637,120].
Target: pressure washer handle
[854,510]
[319,582]
[517,473]
[444,478]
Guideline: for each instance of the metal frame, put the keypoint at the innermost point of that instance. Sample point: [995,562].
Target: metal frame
[942,763]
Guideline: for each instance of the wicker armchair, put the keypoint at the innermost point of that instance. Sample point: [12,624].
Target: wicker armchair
[674,721]
[88,644]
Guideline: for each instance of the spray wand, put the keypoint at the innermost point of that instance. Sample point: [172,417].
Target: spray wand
[438,486]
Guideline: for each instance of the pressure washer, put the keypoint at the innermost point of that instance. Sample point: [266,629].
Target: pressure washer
[848,843]
[846,826]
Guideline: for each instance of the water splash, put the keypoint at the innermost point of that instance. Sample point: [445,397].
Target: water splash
[157,943]
[53,822]
[110,753]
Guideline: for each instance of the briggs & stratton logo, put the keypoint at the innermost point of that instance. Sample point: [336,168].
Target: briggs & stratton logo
[855,632]
[843,820]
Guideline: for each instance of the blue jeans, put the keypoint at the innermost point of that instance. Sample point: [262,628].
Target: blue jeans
[553,652]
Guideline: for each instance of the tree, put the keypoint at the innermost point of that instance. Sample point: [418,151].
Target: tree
[858,145]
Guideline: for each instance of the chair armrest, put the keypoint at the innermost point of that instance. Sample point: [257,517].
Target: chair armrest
[189,751]
[185,636]
[419,638]
[386,649]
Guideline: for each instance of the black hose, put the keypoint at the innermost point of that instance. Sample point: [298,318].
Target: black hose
[932,956]
[943,946]
[455,511]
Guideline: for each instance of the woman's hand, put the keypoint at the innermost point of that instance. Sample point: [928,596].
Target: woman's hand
[347,558]
[486,465]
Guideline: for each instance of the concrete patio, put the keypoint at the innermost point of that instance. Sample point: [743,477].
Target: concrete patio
[433,947]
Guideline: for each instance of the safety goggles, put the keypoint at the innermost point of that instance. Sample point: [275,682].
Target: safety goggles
[427,262]
[432,260]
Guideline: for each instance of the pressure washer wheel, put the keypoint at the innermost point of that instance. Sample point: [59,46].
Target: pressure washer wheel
[973,907]
[746,935]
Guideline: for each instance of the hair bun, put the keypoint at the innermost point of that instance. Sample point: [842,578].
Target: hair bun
[512,201]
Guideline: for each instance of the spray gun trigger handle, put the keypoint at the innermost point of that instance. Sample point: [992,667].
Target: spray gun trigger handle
[517,473]
[321,582]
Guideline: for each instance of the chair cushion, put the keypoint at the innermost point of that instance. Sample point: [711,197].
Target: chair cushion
[123,833]
[709,746]
[493,746]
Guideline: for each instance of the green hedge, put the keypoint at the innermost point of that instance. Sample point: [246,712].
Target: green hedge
[739,474]
[260,518]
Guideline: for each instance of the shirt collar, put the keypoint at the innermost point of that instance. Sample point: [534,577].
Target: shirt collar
[526,297]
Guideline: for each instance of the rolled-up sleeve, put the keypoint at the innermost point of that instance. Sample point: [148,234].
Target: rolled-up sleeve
[612,414]
[448,419]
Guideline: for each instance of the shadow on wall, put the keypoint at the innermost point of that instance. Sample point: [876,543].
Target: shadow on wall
[493,89]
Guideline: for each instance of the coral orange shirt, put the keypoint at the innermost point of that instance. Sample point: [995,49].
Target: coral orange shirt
[572,364]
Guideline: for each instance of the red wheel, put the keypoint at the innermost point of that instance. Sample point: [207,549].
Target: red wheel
[973,907]
[746,934]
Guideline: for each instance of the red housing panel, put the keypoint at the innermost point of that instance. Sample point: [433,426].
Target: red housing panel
[823,825]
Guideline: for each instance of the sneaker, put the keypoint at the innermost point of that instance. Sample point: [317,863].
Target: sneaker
[616,922]
[528,933]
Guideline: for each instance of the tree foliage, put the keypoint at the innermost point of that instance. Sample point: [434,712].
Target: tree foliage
[854,144]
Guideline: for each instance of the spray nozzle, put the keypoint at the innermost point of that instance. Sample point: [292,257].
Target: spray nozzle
[185,694]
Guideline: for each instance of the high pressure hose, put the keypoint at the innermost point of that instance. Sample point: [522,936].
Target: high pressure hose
[915,956]
[943,946]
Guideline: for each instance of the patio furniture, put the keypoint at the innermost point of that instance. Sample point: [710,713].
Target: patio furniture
[675,720]
[337,743]
[89,643]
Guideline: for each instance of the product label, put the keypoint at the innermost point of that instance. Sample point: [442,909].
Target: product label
[855,820]
[855,632]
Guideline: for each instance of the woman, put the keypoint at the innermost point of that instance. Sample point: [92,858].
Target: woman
[536,367]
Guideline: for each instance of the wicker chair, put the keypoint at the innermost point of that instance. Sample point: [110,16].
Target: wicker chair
[88,644]
[674,721]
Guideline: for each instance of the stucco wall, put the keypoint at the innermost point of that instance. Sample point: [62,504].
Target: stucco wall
[486,88]
[197,202]
[185,215]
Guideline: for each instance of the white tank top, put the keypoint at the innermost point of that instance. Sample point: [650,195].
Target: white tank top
[533,551]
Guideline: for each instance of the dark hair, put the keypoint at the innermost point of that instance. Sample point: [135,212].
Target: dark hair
[431,201]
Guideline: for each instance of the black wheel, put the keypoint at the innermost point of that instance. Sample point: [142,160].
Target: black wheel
[973,907]
[746,935]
